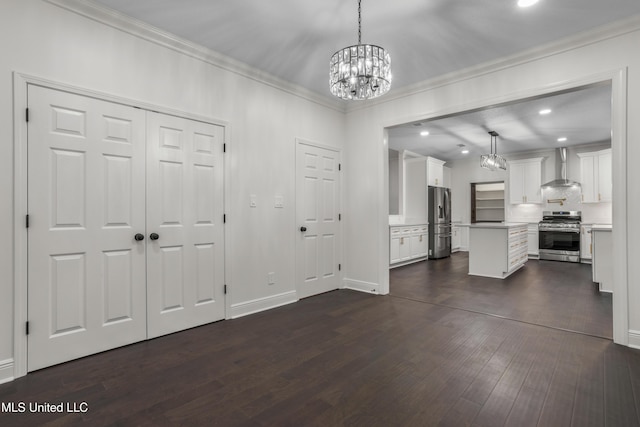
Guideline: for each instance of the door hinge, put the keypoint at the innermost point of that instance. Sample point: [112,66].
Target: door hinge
[27,328]
[225,289]
[27,221]
[27,115]
[224,147]
[224,218]
[339,217]
[339,166]
[339,267]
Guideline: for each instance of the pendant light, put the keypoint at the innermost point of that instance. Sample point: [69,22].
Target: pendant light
[493,161]
[362,71]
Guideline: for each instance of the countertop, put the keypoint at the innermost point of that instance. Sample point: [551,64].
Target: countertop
[498,224]
[408,222]
[601,227]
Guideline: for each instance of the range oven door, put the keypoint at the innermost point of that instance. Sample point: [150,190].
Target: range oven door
[559,245]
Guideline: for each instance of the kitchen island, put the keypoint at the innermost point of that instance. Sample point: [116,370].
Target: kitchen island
[497,249]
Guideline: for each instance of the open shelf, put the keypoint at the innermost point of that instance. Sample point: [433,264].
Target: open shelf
[487,202]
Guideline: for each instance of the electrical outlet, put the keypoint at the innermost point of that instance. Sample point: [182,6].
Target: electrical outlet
[271,278]
[279,202]
[253,201]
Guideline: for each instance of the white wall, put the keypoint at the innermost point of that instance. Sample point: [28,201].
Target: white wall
[535,73]
[44,40]
[394,182]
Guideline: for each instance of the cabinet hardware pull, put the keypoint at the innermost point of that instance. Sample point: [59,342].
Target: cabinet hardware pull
[402,240]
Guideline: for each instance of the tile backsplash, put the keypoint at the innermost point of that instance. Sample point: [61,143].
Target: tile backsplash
[592,213]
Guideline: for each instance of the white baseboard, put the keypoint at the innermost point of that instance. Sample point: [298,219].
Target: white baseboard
[359,285]
[6,371]
[634,339]
[262,304]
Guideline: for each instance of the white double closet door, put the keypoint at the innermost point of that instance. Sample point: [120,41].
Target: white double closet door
[125,240]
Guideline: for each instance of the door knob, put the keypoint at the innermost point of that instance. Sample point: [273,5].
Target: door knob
[139,237]
[303,228]
[154,236]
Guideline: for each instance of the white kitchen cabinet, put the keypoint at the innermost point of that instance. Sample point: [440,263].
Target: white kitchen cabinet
[459,237]
[446,178]
[455,238]
[525,179]
[408,244]
[435,172]
[532,239]
[586,248]
[415,192]
[497,250]
[596,176]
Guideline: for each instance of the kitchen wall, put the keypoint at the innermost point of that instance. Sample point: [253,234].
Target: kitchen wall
[40,39]
[394,182]
[466,171]
[604,54]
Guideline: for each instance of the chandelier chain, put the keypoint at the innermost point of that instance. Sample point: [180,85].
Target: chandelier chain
[359,23]
[361,71]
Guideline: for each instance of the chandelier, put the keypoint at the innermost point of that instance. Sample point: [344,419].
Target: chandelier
[362,71]
[493,161]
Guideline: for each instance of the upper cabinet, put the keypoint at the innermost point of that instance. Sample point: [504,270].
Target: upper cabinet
[435,172]
[525,179]
[595,176]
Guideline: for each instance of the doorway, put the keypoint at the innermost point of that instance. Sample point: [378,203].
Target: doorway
[318,242]
[616,80]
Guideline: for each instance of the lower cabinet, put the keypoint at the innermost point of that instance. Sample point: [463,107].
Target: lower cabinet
[408,244]
[455,238]
[586,249]
[532,239]
[497,250]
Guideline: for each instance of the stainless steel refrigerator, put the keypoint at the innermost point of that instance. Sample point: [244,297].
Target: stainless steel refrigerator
[439,208]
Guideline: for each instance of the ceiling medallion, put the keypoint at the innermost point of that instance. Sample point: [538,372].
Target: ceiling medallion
[362,71]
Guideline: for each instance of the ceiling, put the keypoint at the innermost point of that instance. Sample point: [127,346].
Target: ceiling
[582,117]
[294,39]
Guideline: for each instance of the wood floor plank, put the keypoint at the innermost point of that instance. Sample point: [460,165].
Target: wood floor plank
[348,359]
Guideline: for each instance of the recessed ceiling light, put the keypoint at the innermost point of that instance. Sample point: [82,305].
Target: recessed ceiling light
[526,3]
[424,133]
[545,111]
[562,139]
[465,151]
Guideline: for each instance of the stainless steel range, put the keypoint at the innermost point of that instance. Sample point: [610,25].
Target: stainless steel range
[559,235]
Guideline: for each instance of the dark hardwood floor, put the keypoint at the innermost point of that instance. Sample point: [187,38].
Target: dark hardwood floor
[346,358]
[548,293]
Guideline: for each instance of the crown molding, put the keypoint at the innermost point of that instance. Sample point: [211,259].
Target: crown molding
[137,28]
[596,35]
[96,12]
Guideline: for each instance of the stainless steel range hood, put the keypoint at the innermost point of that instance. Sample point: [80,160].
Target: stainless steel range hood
[562,182]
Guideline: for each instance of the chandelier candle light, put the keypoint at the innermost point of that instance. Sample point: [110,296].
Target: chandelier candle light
[359,72]
[493,161]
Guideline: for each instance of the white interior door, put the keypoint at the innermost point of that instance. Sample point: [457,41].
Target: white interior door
[317,210]
[86,271]
[185,252]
